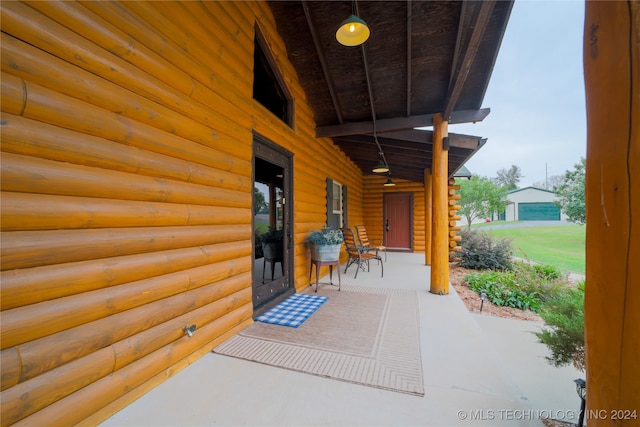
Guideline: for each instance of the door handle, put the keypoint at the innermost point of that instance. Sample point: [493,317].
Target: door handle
[387,225]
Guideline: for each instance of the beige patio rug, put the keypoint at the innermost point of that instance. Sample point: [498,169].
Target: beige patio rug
[367,336]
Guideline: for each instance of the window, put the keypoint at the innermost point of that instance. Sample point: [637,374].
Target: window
[268,87]
[336,204]
[337,198]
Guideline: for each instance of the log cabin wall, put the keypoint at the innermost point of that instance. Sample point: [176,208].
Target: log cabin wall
[454,207]
[127,133]
[373,207]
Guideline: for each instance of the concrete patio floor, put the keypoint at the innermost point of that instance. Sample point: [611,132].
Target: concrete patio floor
[478,371]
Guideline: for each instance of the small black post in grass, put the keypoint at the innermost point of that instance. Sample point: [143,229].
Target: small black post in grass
[483,296]
[581,389]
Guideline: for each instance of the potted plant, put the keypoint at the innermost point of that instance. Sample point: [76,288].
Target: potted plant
[325,244]
[272,243]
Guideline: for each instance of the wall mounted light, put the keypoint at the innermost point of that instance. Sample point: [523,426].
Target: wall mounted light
[389,183]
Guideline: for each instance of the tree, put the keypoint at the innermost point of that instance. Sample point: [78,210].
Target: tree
[479,198]
[259,202]
[509,178]
[571,193]
[551,182]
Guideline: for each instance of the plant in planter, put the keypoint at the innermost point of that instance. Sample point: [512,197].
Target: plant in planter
[325,244]
[272,243]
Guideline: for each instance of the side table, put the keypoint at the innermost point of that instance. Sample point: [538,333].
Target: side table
[319,264]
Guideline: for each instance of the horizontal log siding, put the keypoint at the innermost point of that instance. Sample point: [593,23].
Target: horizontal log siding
[373,202]
[127,132]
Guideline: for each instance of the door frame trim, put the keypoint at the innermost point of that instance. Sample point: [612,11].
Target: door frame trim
[287,165]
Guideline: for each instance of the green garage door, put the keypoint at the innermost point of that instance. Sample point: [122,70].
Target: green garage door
[538,212]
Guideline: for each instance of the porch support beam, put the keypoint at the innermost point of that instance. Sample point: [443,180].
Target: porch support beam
[428,215]
[612,296]
[399,123]
[440,230]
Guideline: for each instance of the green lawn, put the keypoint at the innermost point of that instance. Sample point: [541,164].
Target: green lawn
[560,246]
[489,224]
[261,228]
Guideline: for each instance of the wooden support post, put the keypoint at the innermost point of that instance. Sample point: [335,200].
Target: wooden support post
[428,215]
[612,81]
[440,231]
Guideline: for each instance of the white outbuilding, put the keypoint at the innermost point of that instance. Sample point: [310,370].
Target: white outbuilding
[532,204]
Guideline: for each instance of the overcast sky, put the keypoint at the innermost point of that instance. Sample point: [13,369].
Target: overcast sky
[536,95]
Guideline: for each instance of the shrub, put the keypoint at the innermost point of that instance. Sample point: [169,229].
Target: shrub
[547,272]
[503,290]
[545,280]
[523,286]
[564,332]
[481,252]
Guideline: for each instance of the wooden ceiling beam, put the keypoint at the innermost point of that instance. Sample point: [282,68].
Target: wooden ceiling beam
[399,123]
[465,155]
[416,139]
[402,163]
[413,135]
[464,141]
[323,62]
[426,136]
[409,32]
[391,148]
[460,73]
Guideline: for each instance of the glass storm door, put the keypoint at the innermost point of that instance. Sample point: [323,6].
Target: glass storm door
[271,225]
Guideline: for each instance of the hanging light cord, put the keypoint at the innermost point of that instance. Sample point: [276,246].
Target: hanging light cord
[373,110]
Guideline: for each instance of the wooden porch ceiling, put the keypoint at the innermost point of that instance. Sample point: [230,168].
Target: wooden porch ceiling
[422,58]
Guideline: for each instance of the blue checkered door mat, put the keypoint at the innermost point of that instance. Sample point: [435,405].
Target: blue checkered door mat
[293,311]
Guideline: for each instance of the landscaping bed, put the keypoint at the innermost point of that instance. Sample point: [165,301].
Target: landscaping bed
[472,300]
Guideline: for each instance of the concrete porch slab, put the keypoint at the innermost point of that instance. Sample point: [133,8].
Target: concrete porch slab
[466,378]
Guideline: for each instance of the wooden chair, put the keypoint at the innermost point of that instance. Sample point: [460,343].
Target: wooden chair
[371,244]
[359,255]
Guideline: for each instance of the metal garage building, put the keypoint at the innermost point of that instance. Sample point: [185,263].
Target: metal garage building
[532,204]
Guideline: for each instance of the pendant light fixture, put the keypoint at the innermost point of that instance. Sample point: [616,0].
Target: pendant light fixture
[383,165]
[380,167]
[353,31]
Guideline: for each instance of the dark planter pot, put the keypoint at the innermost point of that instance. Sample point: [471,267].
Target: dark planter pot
[272,250]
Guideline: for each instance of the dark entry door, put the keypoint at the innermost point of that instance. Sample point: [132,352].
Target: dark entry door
[272,212]
[398,220]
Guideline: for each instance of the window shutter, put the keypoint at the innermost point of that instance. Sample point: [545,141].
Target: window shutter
[332,219]
[344,206]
